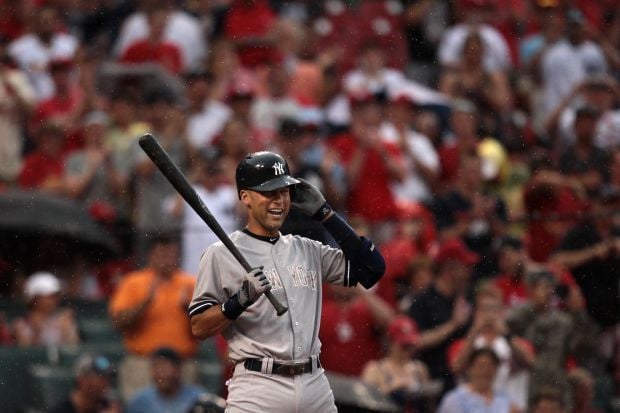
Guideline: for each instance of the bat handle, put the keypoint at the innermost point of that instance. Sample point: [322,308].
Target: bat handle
[280,308]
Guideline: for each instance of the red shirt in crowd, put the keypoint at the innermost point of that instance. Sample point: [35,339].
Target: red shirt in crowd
[348,337]
[166,54]
[245,23]
[39,168]
[370,197]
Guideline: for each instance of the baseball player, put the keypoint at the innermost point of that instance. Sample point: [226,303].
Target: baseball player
[277,358]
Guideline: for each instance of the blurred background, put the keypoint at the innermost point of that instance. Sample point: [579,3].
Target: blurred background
[477,142]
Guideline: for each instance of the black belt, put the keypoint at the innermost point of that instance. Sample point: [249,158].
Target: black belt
[288,369]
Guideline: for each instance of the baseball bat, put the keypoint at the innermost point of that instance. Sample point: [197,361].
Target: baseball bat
[162,160]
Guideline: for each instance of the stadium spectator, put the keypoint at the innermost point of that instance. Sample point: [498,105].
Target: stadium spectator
[583,161]
[372,165]
[352,323]
[554,333]
[417,278]
[598,92]
[487,89]
[583,390]
[155,49]
[46,41]
[65,105]
[90,175]
[93,388]
[42,169]
[399,375]
[232,144]
[149,308]
[371,75]
[419,155]
[45,323]
[567,62]
[167,391]
[552,204]
[247,24]
[477,16]
[471,212]
[206,115]
[423,22]
[181,29]
[17,99]
[412,236]
[150,186]
[548,401]
[478,393]
[277,104]
[488,330]
[207,175]
[442,311]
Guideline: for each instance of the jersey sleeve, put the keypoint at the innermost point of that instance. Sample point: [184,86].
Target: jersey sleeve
[336,269]
[208,290]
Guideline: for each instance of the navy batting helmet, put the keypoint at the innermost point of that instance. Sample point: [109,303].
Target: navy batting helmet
[263,171]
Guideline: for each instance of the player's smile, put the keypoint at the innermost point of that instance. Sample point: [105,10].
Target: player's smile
[268,210]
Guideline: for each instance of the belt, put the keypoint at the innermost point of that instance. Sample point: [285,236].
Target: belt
[283,369]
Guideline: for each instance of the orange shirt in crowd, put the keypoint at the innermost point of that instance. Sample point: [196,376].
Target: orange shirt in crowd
[165,322]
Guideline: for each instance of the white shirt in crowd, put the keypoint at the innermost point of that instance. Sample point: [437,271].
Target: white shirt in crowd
[356,80]
[496,53]
[414,187]
[204,126]
[33,57]
[182,29]
[515,384]
[607,131]
[196,235]
[566,65]
[267,113]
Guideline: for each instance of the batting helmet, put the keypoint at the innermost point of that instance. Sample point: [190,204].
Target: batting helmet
[263,171]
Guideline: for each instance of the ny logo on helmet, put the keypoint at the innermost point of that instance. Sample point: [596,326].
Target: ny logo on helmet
[278,168]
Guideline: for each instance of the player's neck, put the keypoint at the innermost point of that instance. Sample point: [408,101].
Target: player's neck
[272,239]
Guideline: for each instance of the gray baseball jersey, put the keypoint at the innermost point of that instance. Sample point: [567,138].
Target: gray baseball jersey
[296,267]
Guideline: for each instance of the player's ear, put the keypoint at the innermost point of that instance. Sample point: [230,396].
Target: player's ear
[244,196]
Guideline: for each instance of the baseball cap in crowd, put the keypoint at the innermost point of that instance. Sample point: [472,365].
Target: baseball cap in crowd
[96,117]
[588,111]
[168,354]
[455,249]
[402,98]
[93,364]
[41,283]
[241,90]
[403,331]
[464,106]
[310,118]
[289,128]
[508,242]
[61,63]
[542,275]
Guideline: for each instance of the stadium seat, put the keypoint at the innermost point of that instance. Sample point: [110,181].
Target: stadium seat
[14,376]
[97,330]
[113,350]
[48,384]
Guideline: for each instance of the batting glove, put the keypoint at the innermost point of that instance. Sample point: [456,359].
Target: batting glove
[253,286]
[310,201]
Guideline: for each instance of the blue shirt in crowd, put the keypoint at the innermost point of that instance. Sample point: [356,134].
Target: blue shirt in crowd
[463,400]
[150,401]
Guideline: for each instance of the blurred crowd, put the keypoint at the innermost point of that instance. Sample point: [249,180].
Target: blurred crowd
[477,141]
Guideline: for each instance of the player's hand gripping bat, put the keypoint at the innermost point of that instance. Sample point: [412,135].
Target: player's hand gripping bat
[160,158]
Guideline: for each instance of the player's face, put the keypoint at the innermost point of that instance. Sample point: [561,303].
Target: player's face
[266,210]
